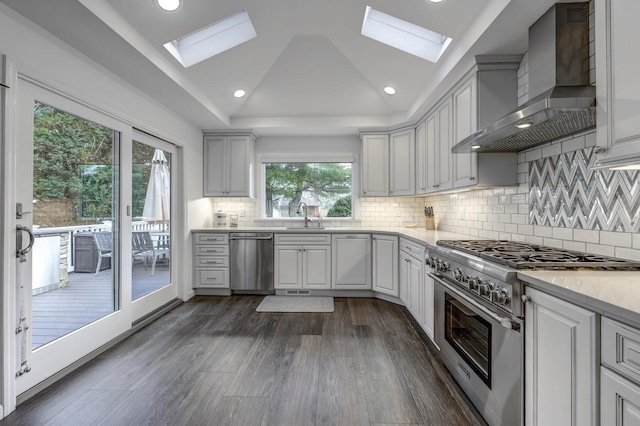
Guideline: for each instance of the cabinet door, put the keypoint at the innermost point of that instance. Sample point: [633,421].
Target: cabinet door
[214,166]
[375,165]
[619,400]
[239,166]
[433,168]
[560,362]
[415,289]
[316,267]
[404,278]
[402,163]
[428,304]
[288,267]
[617,88]
[352,261]
[444,156]
[385,264]
[421,158]
[465,122]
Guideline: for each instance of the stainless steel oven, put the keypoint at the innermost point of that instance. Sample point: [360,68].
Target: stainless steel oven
[482,346]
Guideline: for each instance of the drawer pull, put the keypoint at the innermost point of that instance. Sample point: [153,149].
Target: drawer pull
[212,278]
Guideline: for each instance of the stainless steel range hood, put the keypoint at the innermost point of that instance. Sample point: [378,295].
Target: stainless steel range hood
[561,100]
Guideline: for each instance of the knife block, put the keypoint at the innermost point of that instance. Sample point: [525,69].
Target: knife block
[429,223]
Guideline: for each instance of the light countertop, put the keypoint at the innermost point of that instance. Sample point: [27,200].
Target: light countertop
[614,294]
[419,235]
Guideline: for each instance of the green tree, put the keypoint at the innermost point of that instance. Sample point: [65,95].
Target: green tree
[341,208]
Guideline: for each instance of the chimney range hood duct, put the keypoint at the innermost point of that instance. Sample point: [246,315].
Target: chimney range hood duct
[561,100]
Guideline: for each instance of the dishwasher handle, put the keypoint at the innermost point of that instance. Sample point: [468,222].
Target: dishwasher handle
[251,238]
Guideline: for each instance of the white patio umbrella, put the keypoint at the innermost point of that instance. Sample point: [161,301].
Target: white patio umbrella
[157,201]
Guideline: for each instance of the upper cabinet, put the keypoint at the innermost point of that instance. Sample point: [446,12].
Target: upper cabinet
[229,162]
[402,152]
[465,113]
[439,163]
[617,84]
[388,164]
[375,165]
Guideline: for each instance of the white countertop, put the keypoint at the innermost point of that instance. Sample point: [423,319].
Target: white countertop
[419,235]
[612,293]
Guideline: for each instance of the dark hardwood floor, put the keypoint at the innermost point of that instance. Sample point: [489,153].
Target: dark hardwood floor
[215,361]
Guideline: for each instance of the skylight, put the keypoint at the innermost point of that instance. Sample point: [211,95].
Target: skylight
[212,39]
[404,35]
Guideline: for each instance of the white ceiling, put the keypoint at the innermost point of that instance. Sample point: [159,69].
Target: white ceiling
[309,71]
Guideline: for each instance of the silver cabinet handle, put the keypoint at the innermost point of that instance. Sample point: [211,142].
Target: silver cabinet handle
[525,298]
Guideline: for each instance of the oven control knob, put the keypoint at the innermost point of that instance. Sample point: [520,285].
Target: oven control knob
[458,275]
[444,267]
[434,263]
[484,290]
[500,296]
[474,282]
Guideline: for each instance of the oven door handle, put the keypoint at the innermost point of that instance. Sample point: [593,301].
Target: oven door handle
[503,321]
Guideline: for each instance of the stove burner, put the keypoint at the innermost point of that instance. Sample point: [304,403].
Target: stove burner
[519,255]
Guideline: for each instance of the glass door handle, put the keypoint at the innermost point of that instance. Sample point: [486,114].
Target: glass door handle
[22,252]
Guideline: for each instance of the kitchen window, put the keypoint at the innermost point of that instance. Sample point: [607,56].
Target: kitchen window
[325,187]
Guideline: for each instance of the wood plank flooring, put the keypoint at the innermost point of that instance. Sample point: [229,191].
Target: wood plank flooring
[215,361]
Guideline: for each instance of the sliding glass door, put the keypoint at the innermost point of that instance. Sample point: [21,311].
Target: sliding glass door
[69,192]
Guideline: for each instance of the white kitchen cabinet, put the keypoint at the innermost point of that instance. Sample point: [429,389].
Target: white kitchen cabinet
[229,162]
[421,158]
[403,284]
[307,267]
[617,84]
[465,122]
[211,260]
[351,261]
[619,400]
[428,304]
[402,159]
[438,148]
[411,277]
[385,264]
[561,362]
[375,165]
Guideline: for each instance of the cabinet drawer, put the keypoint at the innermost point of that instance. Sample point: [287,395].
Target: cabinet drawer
[213,278]
[621,348]
[212,262]
[303,239]
[212,250]
[411,248]
[210,238]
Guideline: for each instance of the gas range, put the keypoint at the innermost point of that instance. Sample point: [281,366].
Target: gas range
[519,255]
[487,269]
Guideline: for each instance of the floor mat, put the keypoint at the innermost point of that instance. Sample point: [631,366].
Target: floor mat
[296,304]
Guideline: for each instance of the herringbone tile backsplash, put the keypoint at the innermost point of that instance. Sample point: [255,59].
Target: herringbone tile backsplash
[565,192]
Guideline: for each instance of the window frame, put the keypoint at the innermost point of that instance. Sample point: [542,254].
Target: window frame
[307,158]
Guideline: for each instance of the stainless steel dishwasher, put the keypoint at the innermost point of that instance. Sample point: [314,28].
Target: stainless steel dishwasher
[251,262]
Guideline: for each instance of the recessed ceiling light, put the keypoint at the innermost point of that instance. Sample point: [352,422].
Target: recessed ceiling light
[403,35]
[476,146]
[212,39]
[524,125]
[169,5]
[239,93]
[435,1]
[389,90]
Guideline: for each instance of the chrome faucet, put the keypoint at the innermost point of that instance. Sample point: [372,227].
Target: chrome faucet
[306,217]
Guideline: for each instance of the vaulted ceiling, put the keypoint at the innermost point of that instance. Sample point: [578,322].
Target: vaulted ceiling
[308,71]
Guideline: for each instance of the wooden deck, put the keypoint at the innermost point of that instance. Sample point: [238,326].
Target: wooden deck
[86,298]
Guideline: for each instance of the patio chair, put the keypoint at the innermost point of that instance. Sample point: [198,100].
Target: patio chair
[104,244]
[144,249]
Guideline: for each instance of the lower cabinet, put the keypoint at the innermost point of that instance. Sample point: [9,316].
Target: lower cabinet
[428,304]
[211,260]
[411,286]
[620,374]
[351,258]
[561,363]
[302,267]
[385,264]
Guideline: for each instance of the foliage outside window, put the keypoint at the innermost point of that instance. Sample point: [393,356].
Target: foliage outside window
[324,187]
